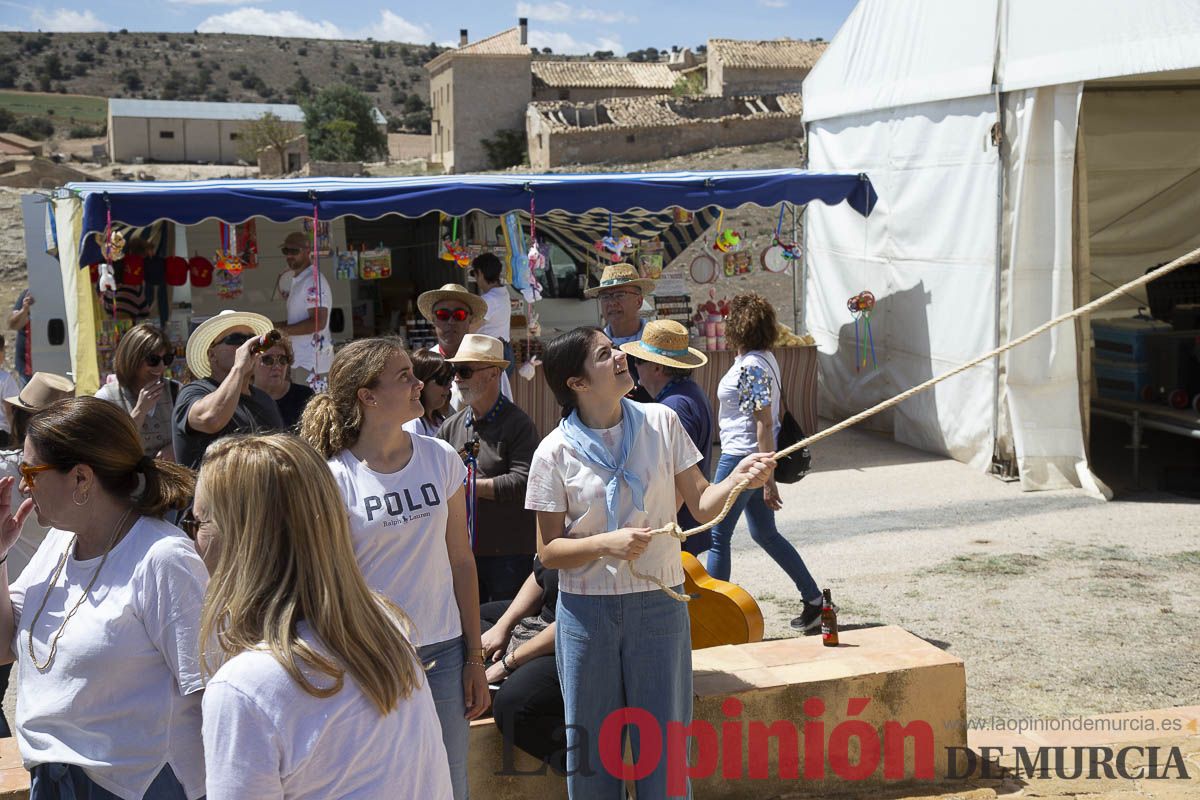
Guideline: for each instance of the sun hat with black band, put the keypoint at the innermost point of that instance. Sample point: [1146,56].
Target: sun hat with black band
[617,275]
[665,342]
[453,291]
[44,389]
[213,329]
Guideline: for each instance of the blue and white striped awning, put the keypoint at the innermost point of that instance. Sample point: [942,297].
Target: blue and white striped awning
[284,200]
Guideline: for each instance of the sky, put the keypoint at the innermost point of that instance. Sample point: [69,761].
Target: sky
[565,26]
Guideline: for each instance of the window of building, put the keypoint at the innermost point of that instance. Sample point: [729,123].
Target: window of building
[233,137]
[166,134]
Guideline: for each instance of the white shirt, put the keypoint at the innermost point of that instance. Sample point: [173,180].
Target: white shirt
[302,297]
[739,431]
[121,698]
[32,534]
[420,426]
[266,737]
[398,525]
[456,398]
[498,320]
[560,481]
[8,388]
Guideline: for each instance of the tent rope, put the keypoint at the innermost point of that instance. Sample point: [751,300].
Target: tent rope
[672,529]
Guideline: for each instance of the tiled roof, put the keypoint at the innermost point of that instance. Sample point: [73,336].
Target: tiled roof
[661,111]
[504,43]
[603,75]
[770,54]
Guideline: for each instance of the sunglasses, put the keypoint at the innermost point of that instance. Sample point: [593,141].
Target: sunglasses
[236,339]
[444,314]
[154,359]
[442,380]
[189,524]
[291,251]
[29,472]
[270,361]
[466,372]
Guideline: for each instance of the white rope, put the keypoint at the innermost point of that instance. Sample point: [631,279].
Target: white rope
[673,530]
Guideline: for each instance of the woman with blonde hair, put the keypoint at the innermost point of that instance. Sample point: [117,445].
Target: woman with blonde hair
[318,692]
[142,389]
[104,621]
[408,522]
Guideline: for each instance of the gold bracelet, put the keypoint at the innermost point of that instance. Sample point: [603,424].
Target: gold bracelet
[476,664]
[477,652]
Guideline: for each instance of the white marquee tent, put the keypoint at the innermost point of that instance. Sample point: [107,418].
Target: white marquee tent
[1028,156]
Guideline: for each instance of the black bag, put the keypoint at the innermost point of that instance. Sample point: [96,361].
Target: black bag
[797,465]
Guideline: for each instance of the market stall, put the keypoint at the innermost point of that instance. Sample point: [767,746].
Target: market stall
[211,216]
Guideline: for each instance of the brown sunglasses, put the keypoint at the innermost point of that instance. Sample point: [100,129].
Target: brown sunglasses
[30,471]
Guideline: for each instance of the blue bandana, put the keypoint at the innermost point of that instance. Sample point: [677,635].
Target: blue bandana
[589,447]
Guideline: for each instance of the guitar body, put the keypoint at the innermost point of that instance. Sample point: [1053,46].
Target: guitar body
[720,612]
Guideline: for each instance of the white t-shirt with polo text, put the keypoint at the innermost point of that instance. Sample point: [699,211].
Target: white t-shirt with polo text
[266,738]
[398,524]
[560,481]
[121,697]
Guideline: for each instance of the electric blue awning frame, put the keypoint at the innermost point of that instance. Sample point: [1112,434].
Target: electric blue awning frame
[233,201]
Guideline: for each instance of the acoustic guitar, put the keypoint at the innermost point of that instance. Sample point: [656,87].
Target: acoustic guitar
[721,612]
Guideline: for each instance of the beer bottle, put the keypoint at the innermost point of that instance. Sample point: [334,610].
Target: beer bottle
[829,626]
[267,341]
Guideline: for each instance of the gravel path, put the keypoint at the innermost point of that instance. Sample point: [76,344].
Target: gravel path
[1058,603]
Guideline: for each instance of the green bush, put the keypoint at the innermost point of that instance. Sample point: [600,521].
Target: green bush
[510,148]
[33,128]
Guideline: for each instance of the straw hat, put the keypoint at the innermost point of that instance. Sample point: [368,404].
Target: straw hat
[477,348]
[615,275]
[209,331]
[665,342]
[43,389]
[453,291]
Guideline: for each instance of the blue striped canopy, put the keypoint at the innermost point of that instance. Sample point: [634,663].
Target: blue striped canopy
[232,201]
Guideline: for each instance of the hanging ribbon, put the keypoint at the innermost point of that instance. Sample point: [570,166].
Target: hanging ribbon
[860,307]
[537,259]
[314,378]
[791,250]
[470,456]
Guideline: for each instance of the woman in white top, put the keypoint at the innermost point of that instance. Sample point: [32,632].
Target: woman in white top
[408,522]
[140,388]
[105,620]
[437,374]
[600,482]
[318,693]
[748,420]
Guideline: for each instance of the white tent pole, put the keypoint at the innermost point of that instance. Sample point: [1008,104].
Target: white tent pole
[998,141]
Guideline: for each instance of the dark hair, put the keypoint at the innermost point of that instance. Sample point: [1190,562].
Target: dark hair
[564,358]
[489,266]
[20,424]
[87,430]
[428,364]
[140,341]
[751,323]
[2,341]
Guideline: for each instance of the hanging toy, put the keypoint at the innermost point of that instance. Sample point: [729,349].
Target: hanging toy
[453,251]
[107,281]
[611,247]
[728,239]
[226,259]
[860,307]
[791,250]
[112,244]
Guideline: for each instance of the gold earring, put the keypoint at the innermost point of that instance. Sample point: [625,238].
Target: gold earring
[79,502]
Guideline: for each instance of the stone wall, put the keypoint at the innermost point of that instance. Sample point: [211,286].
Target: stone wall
[487,95]
[733,81]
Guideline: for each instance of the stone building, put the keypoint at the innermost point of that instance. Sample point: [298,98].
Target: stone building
[648,128]
[737,67]
[475,91]
[581,81]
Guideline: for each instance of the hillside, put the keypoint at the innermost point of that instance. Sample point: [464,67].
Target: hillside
[215,67]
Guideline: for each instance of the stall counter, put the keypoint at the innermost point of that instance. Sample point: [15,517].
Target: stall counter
[798,365]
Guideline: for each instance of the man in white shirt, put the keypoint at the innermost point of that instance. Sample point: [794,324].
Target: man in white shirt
[487,270]
[454,312]
[308,306]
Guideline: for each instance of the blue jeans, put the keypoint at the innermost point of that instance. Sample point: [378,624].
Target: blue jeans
[69,782]
[762,530]
[614,652]
[446,683]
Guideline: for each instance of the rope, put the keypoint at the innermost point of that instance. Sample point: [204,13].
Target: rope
[672,529]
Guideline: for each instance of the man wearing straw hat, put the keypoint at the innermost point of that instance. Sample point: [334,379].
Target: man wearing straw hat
[620,294]
[222,353]
[454,312]
[503,530]
[666,374]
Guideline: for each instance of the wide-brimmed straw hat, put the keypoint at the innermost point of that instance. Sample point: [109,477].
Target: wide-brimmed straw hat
[665,342]
[616,275]
[44,389]
[209,331]
[453,291]
[478,348]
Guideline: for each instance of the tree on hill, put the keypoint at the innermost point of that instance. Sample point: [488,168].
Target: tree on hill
[266,131]
[340,126]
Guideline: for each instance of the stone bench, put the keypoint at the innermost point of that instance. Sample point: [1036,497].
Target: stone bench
[903,679]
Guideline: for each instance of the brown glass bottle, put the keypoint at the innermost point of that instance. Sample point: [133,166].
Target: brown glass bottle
[267,341]
[829,626]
